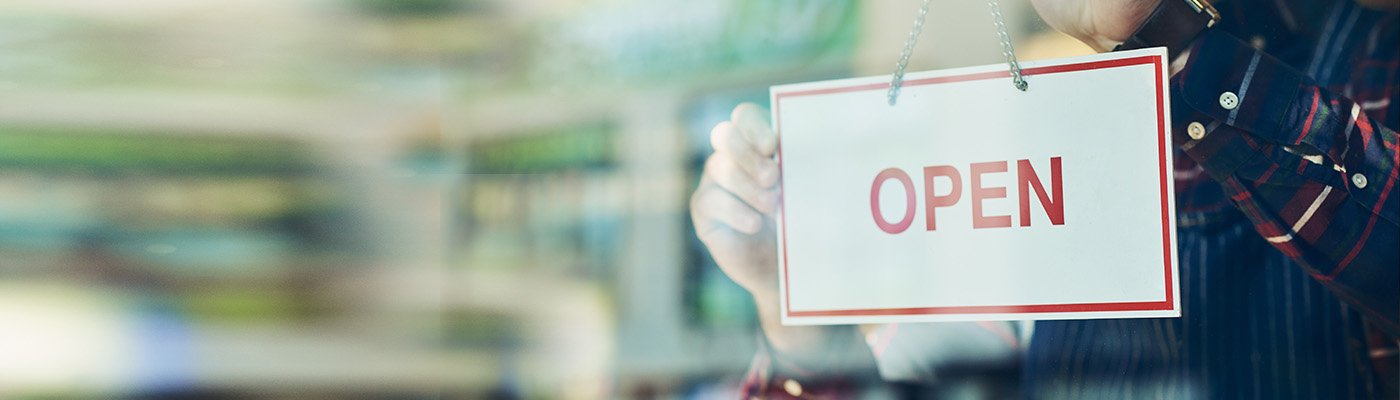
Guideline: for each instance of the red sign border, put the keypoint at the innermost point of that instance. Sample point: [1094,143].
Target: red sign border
[1167,304]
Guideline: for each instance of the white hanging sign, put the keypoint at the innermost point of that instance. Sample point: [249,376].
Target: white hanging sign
[971,200]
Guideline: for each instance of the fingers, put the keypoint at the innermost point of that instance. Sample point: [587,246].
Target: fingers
[714,208]
[727,139]
[728,175]
[737,191]
[752,122]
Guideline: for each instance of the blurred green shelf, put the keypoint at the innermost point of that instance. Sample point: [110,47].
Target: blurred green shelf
[109,152]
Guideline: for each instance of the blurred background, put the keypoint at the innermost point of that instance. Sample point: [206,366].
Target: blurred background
[397,198]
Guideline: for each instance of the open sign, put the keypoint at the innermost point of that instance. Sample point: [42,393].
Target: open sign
[971,200]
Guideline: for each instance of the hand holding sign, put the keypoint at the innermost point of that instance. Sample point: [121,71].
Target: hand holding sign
[1100,24]
[734,210]
[734,205]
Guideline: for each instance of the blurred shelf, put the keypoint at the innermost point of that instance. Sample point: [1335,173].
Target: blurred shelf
[287,358]
[322,119]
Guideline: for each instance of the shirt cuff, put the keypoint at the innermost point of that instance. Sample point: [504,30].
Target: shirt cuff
[1234,83]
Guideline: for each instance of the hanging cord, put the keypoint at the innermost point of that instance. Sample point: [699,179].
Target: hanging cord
[1006,50]
[897,80]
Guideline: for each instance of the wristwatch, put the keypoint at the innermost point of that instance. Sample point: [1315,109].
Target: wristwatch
[1174,24]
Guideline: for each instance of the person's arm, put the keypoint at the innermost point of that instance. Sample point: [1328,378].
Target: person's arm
[1314,174]
[733,211]
[1336,217]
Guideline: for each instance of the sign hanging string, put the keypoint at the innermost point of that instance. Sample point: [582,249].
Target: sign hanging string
[897,80]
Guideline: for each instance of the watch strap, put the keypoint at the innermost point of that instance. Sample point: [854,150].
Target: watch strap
[1174,24]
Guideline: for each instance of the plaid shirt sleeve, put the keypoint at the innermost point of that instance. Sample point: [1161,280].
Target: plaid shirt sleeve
[1311,170]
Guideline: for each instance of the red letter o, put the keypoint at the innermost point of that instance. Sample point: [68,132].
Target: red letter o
[903,224]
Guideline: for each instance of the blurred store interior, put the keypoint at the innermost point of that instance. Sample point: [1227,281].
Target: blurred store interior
[326,199]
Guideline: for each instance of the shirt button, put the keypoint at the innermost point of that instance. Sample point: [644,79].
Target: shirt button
[793,388]
[1229,100]
[1358,180]
[1196,131]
